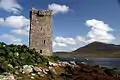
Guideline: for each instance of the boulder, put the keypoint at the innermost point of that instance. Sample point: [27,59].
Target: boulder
[41,74]
[16,72]
[84,63]
[44,71]
[53,64]
[37,69]
[33,74]
[16,67]
[32,77]
[27,69]
[20,70]
[72,62]
[2,77]
[11,77]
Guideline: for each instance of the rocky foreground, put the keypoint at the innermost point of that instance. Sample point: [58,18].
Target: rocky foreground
[63,71]
[83,71]
[18,62]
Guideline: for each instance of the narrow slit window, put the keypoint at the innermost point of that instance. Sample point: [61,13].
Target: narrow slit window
[44,41]
[40,51]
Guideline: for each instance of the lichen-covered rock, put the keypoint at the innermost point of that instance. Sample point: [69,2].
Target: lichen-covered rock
[2,77]
[20,70]
[16,72]
[16,67]
[72,62]
[37,69]
[11,77]
[10,65]
[27,69]
[41,74]
[44,71]
[32,77]
[53,64]
[33,74]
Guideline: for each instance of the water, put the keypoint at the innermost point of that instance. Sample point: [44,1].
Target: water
[105,62]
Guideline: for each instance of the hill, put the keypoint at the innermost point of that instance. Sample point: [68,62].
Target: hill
[95,49]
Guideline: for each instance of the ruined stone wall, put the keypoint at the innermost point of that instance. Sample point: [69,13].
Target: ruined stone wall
[41,31]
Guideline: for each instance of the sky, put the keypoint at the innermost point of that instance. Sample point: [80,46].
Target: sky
[75,23]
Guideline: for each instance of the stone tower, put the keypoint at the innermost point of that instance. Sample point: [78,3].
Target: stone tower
[40,36]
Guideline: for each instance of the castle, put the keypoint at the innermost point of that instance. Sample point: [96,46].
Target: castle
[40,36]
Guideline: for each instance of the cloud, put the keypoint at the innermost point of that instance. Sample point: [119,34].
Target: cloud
[1,21]
[19,23]
[63,44]
[15,21]
[20,32]
[99,31]
[56,8]
[56,44]
[80,39]
[99,25]
[10,6]
[61,47]
[10,39]
[65,40]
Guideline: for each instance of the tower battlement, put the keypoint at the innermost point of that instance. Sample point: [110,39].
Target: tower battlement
[41,12]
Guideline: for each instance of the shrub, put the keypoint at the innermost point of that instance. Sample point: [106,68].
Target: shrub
[19,55]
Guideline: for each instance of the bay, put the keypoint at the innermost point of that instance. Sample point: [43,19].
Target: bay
[105,62]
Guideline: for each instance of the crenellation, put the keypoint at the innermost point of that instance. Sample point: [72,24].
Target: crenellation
[45,12]
[41,12]
[33,10]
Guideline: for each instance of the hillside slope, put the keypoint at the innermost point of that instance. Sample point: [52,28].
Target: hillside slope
[95,49]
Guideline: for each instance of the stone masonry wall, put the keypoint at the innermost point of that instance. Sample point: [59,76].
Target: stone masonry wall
[41,31]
